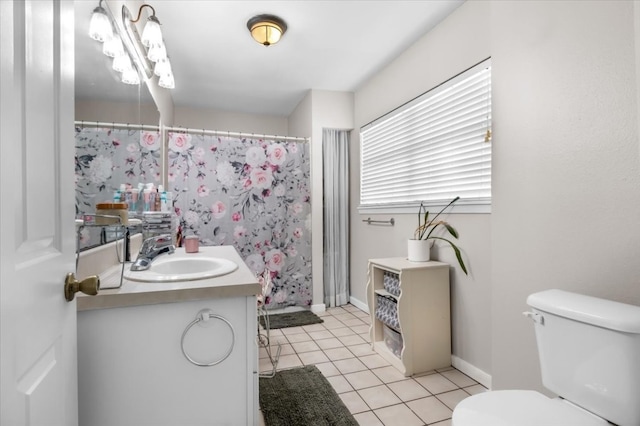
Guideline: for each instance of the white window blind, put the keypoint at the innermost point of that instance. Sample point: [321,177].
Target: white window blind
[433,148]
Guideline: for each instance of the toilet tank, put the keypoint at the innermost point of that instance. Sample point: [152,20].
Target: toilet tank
[590,352]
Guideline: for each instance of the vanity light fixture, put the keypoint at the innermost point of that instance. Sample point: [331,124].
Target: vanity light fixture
[266,29]
[103,29]
[156,49]
[128,52]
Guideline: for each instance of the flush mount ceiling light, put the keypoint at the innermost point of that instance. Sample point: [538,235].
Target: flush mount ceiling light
[266,29]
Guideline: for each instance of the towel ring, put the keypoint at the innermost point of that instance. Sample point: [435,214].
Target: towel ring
[206,315]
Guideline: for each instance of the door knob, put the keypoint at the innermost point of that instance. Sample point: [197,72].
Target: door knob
[90,286]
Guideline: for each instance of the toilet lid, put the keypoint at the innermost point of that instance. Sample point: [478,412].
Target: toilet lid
[520,408]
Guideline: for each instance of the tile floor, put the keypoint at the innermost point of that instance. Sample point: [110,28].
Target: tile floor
[374,391]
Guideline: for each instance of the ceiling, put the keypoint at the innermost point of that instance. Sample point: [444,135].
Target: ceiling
[329,45]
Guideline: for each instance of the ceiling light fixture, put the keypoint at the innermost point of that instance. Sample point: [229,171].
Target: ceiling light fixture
[266,29]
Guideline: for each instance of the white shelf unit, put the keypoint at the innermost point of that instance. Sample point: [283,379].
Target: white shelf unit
[423,313]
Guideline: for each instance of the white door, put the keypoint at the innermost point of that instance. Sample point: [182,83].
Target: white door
[37,325]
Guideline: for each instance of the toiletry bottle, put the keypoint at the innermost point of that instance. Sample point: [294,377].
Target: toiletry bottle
[140,205]
[152,197]
[133,205]
[123,193]
[164,206]
[179,237]
[156,202]
[170,202]
[147,199]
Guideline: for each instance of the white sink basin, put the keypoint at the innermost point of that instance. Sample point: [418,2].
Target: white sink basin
[171,268]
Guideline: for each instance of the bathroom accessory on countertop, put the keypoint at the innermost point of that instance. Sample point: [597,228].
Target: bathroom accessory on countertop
[191,244]
[100,221]
[206,315]
[115,213]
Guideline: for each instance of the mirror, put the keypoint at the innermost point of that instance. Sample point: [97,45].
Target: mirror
[100,96]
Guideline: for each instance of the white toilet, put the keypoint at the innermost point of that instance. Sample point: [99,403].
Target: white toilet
[589,355]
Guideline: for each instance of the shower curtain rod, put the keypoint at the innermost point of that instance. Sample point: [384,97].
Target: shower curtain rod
[235,134]
[107,125]
[83,123]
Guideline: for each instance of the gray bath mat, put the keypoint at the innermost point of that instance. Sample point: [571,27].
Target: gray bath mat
[302,396]
[291,319]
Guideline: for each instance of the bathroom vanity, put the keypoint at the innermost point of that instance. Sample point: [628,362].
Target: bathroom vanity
[143,349]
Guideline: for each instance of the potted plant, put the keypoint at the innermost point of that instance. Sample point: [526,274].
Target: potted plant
[419,247]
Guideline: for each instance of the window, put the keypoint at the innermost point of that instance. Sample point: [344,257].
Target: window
[432,149]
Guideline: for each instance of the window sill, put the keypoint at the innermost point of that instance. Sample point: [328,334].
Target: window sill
[434,208]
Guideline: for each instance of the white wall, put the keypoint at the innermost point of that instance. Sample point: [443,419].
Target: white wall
[116,112]
[566,166]
[459,42]
[320,109]
[300,120]
[636,20]
[212,119]
[209,119]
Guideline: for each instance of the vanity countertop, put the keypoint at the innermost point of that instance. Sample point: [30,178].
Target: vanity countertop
[239,283]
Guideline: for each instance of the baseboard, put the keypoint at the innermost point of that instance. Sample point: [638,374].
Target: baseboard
[358,304]
[320,307]
[472,371]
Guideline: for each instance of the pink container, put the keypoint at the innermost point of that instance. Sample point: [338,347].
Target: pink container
[191,244]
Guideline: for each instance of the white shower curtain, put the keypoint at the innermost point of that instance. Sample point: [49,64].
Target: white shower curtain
[335,151]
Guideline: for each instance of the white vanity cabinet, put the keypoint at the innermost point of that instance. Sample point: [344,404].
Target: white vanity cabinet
[422,311]
[132,371]
[131,366]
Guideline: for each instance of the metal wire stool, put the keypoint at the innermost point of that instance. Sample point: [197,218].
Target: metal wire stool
[264,338]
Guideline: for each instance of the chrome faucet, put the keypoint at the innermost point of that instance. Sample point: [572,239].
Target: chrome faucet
[151,249]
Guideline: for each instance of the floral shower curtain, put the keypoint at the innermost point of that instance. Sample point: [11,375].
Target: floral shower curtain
[107,158]
[253,194]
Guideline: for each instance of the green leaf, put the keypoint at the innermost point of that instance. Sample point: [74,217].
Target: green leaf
[457,252]
[451,230]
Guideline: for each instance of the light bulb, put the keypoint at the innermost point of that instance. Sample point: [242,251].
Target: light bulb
[100,25]
[113,47]
[156,52]
[151,33]
[167,81]
[266,34]
[130,76]
[122,63]
[163,66]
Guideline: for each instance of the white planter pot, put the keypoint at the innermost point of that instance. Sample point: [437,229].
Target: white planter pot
[419,250]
